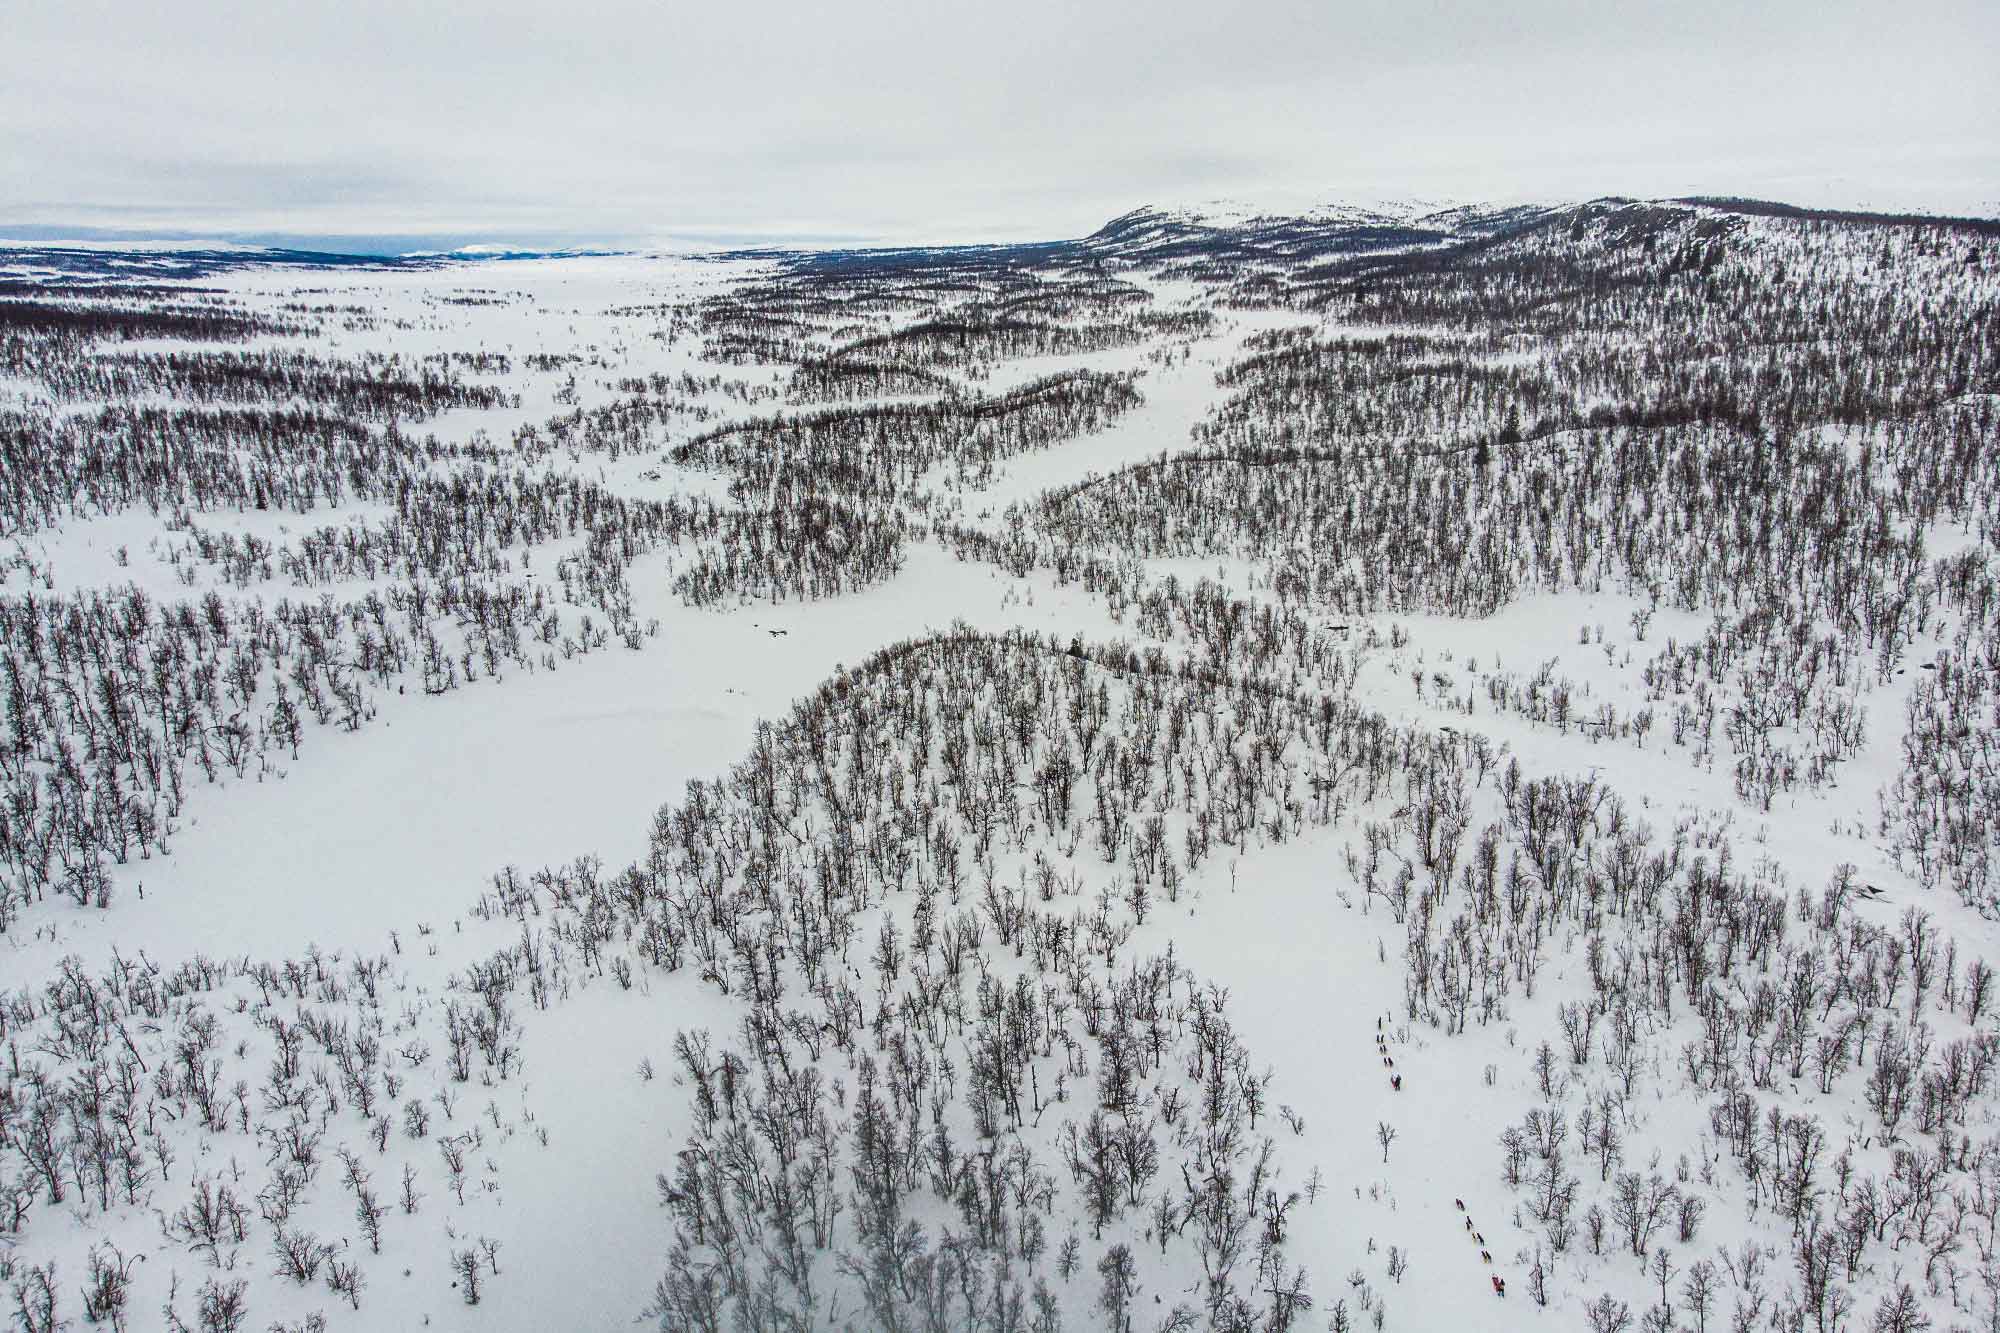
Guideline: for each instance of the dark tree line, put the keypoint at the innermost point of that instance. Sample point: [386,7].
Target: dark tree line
[167,313]
[880,454]
[374,388]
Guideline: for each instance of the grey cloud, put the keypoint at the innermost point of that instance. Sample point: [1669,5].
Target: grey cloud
[946,120]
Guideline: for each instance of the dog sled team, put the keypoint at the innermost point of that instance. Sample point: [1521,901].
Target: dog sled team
[1396,1083]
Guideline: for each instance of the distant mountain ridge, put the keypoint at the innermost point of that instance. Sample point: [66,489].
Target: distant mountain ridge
[1215,231]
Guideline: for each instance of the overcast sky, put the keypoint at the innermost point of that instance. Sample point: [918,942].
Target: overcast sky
[657,121]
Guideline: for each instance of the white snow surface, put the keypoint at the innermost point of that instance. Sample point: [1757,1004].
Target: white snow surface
[399,826]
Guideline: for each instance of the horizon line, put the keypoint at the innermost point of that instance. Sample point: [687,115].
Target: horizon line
[462,243]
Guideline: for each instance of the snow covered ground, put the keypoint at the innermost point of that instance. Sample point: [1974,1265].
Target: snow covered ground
[381,841]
